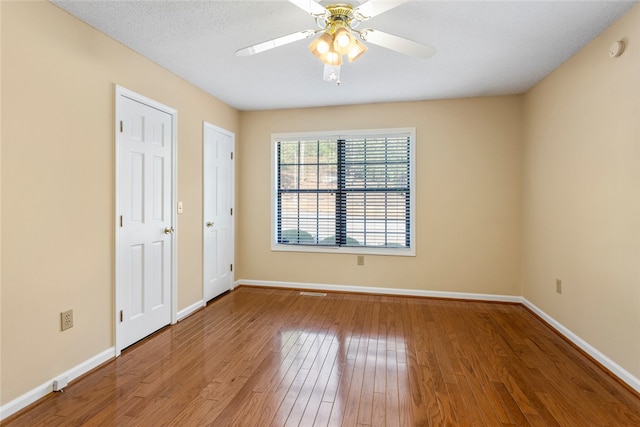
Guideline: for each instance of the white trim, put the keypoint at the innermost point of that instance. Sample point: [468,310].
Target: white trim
[124,92]
[367,250]
[352,250]
[382,291]
[42,390]
[187,311]
[174,215]
[612,366]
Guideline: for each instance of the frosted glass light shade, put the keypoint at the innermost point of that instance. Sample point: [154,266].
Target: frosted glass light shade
[356,50]
[342,40]
[322,45]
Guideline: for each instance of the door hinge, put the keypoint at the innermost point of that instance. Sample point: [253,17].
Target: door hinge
[120,126]
[231,267]
[121,222]
[232,155]
[231,211]
[121,315]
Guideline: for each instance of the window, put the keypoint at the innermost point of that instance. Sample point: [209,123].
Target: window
[351,192]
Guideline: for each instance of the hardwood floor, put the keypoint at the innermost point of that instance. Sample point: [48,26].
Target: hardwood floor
[259,357]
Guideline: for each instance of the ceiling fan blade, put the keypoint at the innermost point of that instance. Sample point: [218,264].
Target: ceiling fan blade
[312,7]
[373,8]
[280,41]
[399,44]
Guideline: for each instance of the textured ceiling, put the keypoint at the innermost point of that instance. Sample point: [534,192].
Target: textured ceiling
[482,47]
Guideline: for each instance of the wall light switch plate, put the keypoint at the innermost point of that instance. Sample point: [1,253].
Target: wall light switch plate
[559,286]
[180,210]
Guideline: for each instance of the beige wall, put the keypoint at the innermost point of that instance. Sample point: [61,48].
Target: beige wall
[468,197]
[58,79]
[582,194]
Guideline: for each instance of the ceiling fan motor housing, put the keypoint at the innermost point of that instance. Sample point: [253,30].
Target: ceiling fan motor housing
[341,16]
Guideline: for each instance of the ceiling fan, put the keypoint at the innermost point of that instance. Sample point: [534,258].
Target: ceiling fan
[338,27]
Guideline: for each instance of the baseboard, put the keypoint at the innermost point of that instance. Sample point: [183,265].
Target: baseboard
[615,369]
[382,291]
[190,310]
[42,390]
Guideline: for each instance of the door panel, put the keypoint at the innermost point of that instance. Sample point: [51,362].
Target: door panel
[217,211]
[136,286]
[145,239]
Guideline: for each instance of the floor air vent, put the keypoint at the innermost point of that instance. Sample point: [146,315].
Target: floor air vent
[313,294]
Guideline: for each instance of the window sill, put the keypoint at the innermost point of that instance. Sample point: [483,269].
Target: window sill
[344,250]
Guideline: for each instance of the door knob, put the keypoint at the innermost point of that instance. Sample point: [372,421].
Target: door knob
[168,230]
[209,224]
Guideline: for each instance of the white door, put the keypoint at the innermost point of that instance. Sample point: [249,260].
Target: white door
[218,181]
[145,239]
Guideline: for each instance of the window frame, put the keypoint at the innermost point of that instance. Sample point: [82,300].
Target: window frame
[345,134]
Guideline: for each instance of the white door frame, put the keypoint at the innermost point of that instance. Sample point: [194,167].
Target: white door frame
[232,135]
[121,92]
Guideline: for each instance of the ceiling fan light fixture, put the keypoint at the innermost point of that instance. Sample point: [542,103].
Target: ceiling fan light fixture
[321,46]
[332,58]
[342,40]
[356,50]
[339,36]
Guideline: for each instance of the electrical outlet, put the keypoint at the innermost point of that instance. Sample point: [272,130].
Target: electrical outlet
[66,320]
[360,260]
[559,286]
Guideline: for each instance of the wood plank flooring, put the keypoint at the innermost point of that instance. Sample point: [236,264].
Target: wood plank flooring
[266,357]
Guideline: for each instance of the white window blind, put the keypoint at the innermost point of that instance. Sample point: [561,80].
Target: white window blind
[350,191]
